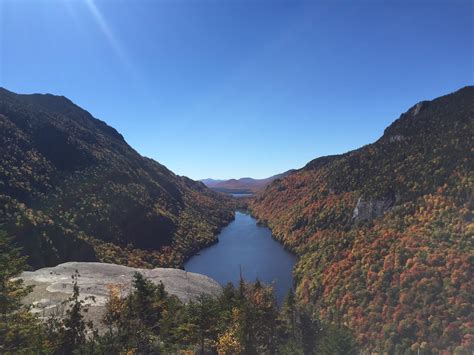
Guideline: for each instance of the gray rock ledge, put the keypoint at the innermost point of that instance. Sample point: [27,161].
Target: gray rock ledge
[53,285]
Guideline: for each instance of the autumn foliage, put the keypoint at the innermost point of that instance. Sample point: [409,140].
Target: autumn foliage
[400,277]
[71,188]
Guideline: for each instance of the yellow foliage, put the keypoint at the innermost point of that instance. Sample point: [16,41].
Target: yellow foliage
[229,342]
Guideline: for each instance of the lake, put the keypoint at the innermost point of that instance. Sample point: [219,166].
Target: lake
[247,246]
[238,195]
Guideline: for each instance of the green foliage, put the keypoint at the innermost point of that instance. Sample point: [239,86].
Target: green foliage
[72,331]
[136,321]
[201,316]
[19,330]
[336,341]
[245,320]
[11,266]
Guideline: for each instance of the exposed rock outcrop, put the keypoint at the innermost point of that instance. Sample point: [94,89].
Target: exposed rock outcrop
[53,285]
[368,209]
[396,138]
[417,108]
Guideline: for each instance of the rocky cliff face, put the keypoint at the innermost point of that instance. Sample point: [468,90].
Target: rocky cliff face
[52,285]
[368,209]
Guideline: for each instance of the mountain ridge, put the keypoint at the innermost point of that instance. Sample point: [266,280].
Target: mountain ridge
[384,232]
[245,185]
[68,179]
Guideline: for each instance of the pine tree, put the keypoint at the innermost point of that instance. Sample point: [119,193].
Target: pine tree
[73,330]
[202,315]
[20,332]
[288,315]
[336,341]
[310,331]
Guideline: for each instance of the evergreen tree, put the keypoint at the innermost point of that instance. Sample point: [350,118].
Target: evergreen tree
[336,341]
[202,315]
[20,332]
[227,301]
[310,330]
[264,315]
[73,329]
[287,326]
[141,301]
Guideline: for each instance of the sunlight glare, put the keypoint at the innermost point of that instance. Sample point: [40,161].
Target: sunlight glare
[102,23]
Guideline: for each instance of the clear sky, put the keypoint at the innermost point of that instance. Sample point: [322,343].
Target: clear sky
[227,88]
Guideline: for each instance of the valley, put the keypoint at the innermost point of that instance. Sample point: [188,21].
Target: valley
[237,177]
[380,237]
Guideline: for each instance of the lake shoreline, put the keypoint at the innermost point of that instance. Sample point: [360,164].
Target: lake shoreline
[246,245]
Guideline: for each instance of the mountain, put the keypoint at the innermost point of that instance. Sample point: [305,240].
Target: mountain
[72,189]
[242,185]
[208,182]
[385,232]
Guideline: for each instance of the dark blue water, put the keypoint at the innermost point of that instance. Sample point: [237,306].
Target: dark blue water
[242,195]
[243,244]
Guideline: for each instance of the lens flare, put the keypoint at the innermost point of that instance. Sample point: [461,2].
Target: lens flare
[104,27]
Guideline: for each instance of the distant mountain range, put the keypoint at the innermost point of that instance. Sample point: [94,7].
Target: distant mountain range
[72,189]
[244,185]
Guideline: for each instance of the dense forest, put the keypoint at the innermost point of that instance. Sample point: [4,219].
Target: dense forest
[384,236]
[385,232]
[242,320]
[71,188]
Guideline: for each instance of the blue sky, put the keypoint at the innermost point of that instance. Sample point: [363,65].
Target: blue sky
[239,88]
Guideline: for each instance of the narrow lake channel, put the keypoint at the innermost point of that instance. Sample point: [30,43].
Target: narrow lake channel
[247,246]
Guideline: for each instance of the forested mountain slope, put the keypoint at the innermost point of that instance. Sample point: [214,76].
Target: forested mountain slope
[385,232]
[71,188]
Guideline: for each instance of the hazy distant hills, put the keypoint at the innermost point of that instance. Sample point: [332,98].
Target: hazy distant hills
[385,232]
[71,188]
[242,185]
